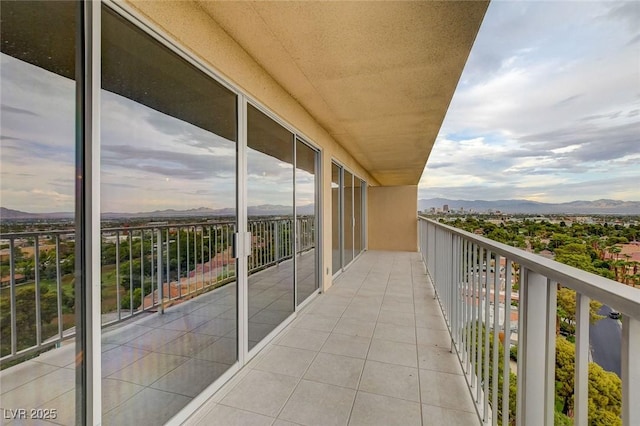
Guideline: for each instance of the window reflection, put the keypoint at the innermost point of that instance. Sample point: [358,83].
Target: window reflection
[348,217]
[306,221]
[336,218]
[357,215]
[168,198]
[270,214]
[37,163]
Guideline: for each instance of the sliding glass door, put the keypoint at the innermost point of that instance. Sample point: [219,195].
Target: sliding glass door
[40,162]
[358,186]
[336,218]
[307,253]
[164,226]
[168,195]
[347,222]
[271,224]
[347,208]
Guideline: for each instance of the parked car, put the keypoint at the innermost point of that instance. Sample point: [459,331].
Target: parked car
[614,315]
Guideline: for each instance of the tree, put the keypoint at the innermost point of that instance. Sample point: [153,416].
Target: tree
[605,396]
[566,310]
[605,388]
[26,316]
[575,254]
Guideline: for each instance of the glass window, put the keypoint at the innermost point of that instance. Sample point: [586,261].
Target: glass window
[168,196]
[357,215]
[270,216]
[306,220]
[348,217]
[336,218]
[38,164]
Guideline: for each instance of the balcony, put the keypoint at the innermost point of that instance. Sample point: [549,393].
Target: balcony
[388,343]
[375,345]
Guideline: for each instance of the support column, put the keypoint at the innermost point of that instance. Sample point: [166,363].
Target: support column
[532,347]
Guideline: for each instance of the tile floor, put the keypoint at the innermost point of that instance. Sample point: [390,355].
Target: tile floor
[373,350]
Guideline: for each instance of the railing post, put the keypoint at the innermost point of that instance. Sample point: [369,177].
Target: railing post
[59,290]
[552,312]
[454,291]
[159,266]
[12,295]
[581,368]
[117,277]
[277,241]
[630,371]
[36,266]
[507,343]
[532,339]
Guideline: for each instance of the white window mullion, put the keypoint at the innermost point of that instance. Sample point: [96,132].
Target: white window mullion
[243,242]
[89,378]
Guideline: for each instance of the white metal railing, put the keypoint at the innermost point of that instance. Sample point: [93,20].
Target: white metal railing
[144,268]
[475,280]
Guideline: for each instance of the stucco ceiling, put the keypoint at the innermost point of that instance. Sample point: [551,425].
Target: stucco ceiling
[378,76]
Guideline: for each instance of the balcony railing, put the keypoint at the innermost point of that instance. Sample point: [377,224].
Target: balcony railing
[144,269]
[476,280]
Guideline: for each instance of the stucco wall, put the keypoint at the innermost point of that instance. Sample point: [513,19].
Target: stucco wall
[393,218]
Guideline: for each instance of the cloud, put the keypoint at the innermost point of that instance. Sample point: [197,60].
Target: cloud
[552,106]
[174,164]
[10,109]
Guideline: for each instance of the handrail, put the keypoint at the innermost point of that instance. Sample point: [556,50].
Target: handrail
[476,302]
[624,298]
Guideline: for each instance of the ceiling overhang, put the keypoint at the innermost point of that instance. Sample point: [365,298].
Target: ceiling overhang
[378,76]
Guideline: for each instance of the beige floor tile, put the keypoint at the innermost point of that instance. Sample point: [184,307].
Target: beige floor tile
[315,322]
[335,370]
[390,380]
[437,416]
[304,339]
[222,415]
[445,390]
[340,344]
[393,353]
[432,337]
[438,359]
[355,327]
[318,404]
[378,410]
[286,360]
[405,319]
[395,333]
[261,392]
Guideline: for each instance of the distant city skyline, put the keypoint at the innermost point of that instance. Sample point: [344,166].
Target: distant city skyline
[547,108]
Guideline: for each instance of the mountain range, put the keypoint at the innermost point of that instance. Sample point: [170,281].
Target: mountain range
[614,207]
[261,210]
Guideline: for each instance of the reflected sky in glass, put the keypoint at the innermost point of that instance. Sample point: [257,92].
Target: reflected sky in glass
[150,161]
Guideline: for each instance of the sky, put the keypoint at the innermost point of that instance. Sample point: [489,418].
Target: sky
[547,108]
